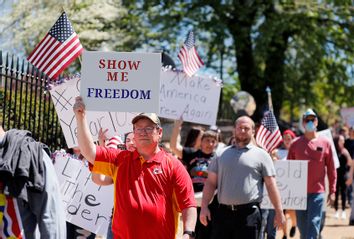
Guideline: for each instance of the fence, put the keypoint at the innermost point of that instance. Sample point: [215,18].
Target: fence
[26,102]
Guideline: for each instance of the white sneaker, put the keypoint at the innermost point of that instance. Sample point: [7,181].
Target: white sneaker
[336,216]
[344,215]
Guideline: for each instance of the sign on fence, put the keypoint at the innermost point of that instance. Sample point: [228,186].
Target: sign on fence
[63,97]
[348,116]
[121,81]
[87,205]
[291,176]
[195,99]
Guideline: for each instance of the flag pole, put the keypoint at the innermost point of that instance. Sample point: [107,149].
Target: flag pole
[270,104]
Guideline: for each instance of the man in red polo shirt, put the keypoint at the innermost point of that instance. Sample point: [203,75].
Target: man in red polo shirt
[151,186]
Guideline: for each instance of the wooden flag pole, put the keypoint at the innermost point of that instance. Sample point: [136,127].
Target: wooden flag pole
[270,104]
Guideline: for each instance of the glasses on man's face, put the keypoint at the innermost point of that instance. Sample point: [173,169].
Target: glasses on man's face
[308,120]
[147,130]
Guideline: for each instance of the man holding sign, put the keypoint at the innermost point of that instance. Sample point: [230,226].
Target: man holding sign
[151,186]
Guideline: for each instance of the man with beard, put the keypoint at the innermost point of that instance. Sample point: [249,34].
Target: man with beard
[238,176]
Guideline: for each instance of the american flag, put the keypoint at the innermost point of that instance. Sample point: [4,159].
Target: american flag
[189,57]
[268,135]
[57,49]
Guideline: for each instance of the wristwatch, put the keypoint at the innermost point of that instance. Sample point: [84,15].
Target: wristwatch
[190,233]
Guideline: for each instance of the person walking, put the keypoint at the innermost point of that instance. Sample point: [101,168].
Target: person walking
[151,186]
[318,152]
[238,176]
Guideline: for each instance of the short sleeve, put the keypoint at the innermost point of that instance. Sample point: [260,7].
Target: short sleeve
[106,161]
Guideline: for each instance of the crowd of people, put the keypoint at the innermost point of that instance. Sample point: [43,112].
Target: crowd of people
[217,187]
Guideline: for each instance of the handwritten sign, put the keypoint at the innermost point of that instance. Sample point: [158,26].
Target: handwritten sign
[291,176]
[195,99]
[87,205]
[63,97]
[327,134]
[348,116]
[121,81]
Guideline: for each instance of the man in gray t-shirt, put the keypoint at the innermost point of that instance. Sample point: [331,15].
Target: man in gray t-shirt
[238,175]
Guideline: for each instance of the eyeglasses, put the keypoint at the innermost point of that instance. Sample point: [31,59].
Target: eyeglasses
[147,130]
[308,120]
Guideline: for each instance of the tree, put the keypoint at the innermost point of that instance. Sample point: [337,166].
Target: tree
[298,48]
[100,24]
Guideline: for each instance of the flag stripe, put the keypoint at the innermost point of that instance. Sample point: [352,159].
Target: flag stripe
[268,135]
[189,57]
[57,53]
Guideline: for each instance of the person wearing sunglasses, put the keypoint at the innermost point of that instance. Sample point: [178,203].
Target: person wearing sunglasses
[318,152]
[151,186]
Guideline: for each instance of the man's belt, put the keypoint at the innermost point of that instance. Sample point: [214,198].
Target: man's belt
[239,207]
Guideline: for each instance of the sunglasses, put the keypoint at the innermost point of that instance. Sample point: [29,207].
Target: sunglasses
[308,120]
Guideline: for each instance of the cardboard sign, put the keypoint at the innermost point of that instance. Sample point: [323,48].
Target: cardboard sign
[194,99]
[63,97]
[348,116]
[121,81]
[291,176]
[87,205]
[327,133]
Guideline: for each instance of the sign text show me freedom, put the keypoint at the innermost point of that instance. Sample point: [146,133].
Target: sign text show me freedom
[121,81]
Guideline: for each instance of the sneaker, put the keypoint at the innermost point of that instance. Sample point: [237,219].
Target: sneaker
[336,216]
[344,215]
[292,231]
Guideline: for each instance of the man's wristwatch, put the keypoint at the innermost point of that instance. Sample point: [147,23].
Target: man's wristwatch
[190,233]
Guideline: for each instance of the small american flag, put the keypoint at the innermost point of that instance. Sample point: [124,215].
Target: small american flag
[268,135]
[57,49]
[189,57]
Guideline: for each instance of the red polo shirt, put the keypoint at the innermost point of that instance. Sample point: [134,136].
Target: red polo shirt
[318,152]
[148,194]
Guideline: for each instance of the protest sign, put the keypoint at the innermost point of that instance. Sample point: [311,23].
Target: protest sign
[86,204]
[194,99]
[348,116]
[121,81]
[291,176]
[63,97]
[327,134]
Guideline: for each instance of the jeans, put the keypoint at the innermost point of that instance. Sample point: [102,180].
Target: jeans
[109,230]
[268,228]
[309,220]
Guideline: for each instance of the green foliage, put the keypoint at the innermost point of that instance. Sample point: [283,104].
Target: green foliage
[301,49]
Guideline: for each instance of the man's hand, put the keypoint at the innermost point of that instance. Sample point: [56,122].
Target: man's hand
[204,216]
[279,220]
[79,106]
[331,198]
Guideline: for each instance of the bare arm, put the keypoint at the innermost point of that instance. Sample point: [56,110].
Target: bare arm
[189,218]
[274,197]
[101,179]
[208,194]
[350,163]
[175,146]
[86,145]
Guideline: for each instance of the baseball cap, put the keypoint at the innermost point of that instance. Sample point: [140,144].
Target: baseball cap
[114,142]
[309,112]
[290,132]
[151,116]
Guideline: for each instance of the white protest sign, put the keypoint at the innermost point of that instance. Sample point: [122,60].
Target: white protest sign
[63,97]
[327,134]
[195,99]
[348,116]
[121,81]
[291,176]
[87,205]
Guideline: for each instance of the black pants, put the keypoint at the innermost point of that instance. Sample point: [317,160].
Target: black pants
[201,231]
[241,223]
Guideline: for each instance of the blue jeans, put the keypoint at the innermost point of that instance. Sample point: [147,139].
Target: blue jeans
[309,221]
[268,228]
